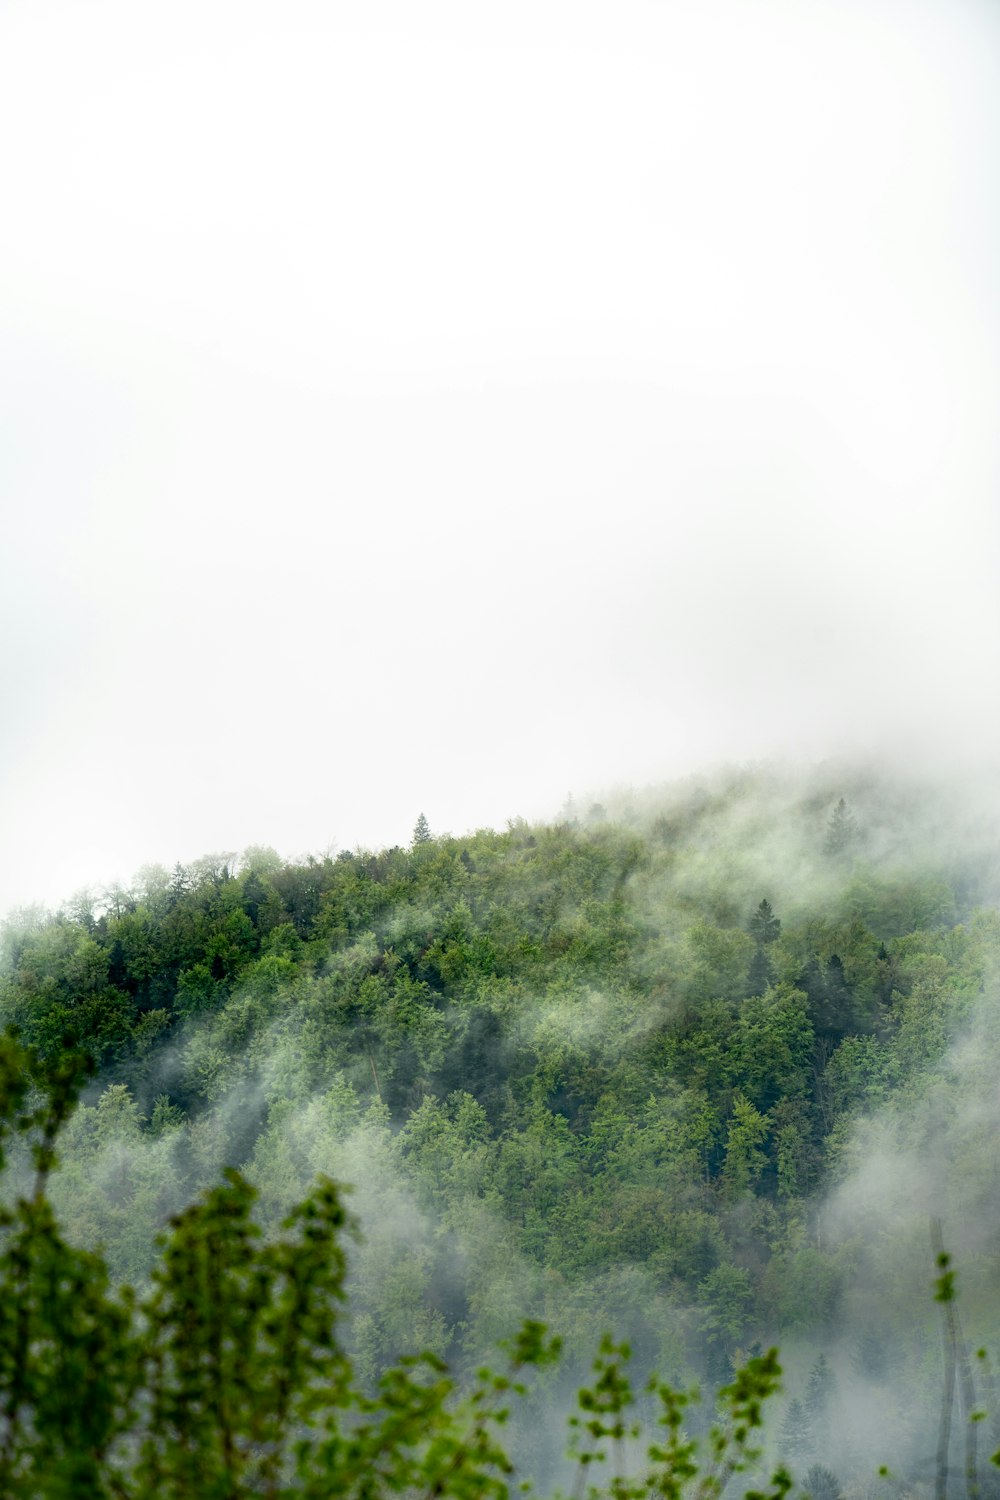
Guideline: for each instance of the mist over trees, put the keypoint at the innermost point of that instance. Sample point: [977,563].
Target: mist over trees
[696,1070]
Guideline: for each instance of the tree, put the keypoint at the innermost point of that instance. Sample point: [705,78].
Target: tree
[761,972]
[764,927]
[821,1484]
[842,831]
[230,1378]
[831,1001]
[837,1015]
[746,1135]
[726,1295]
[421,831]
[773,1045]
[796,1438]
[819,1390]
[819,1393]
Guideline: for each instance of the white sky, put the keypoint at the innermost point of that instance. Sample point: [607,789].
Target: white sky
[445,406]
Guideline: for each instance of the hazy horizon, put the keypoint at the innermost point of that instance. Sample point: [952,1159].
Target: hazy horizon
[451,411]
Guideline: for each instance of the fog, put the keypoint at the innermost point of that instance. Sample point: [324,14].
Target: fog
[448,408]
[440,1260]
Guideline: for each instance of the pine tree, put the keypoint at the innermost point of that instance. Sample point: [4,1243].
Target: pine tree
[796,1436]
[819,1393]
[821,1484]
[421,831]
[839,1001]
[842,831]
[761,972]
[820,1388]
[764,927]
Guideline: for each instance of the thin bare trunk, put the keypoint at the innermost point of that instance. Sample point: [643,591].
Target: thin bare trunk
[967,1394]
[948,1342]
[378,1087]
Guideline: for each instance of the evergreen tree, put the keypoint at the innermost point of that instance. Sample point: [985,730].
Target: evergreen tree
[839,1008]
[842,831]
[796,1439]
[831,1002]
[421,831]
[764,927]
[761,972]
[745,1158]
[885,975]
[821,1484]
[820,1389]
[819,1394]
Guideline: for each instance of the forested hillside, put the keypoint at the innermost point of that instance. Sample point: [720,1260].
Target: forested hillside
[697,1069]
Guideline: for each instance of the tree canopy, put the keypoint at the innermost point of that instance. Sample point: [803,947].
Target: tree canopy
[595,1074]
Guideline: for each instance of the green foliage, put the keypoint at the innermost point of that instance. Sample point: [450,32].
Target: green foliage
[570,1068]
[764,926]
[745,1160]
[229,1379]
[675,1464]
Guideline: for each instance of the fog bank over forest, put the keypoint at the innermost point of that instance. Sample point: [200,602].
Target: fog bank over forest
[500,618]
[700,1066]
[452,410]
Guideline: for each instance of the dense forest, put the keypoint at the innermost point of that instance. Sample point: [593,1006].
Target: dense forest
[699,1067]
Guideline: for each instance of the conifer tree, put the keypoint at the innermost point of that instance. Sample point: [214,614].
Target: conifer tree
[421,831]
[842,830]
[796,1438]
[820,1388]
[819,1393]
[761,972]
[764,927]
[821,1484]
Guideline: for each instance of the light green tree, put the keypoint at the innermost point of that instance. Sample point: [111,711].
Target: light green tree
[745,1160]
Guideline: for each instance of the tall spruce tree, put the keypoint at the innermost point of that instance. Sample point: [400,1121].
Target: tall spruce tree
[764,927]
[842,831]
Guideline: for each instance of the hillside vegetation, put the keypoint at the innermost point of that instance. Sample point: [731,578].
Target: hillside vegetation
[639,1069]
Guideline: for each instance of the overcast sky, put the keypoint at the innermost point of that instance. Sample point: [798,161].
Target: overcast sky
[448,406]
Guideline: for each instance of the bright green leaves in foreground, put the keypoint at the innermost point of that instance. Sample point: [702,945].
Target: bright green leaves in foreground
[240,1339]
[229,1380]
